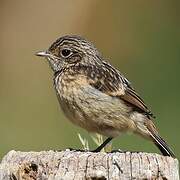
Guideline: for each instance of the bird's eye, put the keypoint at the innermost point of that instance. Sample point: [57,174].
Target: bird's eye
[65,52]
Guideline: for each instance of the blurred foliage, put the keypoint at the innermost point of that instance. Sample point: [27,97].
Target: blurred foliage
[141,38]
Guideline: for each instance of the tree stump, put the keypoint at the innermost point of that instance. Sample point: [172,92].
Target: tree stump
[73,165]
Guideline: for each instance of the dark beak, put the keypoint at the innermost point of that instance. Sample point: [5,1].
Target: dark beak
[42,54]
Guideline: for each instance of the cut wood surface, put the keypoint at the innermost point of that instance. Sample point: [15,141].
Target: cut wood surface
[72,165]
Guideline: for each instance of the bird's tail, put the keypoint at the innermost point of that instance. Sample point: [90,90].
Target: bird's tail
[162,145]
[159,141]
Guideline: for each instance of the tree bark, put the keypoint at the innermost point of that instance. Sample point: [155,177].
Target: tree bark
[71,165]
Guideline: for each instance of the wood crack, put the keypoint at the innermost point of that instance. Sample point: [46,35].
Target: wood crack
[89,166]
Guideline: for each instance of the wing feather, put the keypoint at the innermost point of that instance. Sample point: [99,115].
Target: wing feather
[112,82]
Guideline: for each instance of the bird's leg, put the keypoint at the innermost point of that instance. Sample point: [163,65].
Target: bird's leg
[98,149]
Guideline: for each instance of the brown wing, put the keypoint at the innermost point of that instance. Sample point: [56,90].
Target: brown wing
[133,99]
[111,82]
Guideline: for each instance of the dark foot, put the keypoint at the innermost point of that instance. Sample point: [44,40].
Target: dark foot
[77,150]
[96,150]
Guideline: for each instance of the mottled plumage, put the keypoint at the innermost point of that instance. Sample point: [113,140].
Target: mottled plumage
[96,96]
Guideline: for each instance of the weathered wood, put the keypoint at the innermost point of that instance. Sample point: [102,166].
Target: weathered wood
[70,165]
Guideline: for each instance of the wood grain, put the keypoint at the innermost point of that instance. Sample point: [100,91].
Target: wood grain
[71,165]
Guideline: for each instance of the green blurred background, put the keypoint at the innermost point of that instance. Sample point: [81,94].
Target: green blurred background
[141,38]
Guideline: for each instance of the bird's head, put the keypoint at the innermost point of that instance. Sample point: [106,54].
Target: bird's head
[69,51]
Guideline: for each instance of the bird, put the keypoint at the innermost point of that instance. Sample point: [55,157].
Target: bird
[96,96]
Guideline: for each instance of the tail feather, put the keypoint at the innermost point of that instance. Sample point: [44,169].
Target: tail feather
[162,145]
[159,141]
